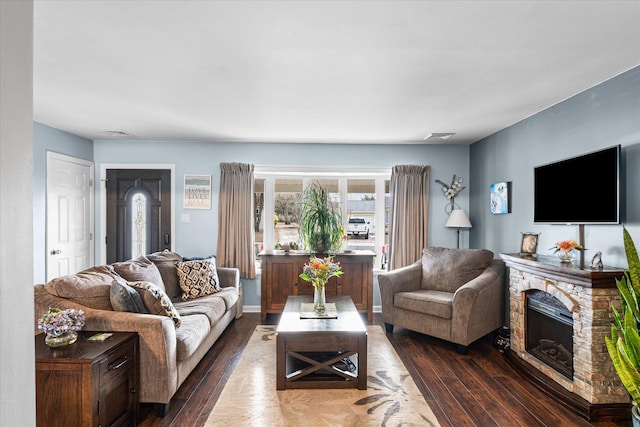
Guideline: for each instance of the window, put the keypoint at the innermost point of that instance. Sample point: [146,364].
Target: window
[361,194]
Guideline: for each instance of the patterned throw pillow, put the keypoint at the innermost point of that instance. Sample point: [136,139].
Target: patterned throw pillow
[156,301]
[198,278]
[125,298]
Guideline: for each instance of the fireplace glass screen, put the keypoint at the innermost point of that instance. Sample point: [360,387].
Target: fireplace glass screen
[549,332]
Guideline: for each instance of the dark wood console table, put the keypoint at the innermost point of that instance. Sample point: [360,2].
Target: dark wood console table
[280,279]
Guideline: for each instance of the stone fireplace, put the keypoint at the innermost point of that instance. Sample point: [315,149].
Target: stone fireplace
[592,388]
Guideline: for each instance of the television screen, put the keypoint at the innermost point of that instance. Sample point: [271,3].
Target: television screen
[579,190]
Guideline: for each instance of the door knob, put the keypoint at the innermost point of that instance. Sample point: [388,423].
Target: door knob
[56,252]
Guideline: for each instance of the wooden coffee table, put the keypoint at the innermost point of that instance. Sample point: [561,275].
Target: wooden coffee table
[321,353]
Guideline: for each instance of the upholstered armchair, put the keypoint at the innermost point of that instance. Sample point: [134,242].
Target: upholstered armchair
[452,294]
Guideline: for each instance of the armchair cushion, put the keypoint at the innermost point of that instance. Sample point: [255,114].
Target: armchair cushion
[435,303]
[446,269]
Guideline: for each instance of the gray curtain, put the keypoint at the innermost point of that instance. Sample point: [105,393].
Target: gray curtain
[408,214]
[236,238]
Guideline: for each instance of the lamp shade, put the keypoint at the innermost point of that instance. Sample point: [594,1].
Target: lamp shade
[458,219]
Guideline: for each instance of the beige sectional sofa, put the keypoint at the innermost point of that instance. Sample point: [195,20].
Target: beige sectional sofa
[172,342]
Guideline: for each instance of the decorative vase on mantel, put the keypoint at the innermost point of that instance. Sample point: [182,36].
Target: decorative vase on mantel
[66,338]
[566,257]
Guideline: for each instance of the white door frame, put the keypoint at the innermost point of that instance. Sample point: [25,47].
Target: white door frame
[102,195]
[51,155]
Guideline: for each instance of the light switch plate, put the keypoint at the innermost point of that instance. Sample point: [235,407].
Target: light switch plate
[185,218]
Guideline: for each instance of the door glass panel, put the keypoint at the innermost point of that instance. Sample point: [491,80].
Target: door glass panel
[287,213]
[138,225]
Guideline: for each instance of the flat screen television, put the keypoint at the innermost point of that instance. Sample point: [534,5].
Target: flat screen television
[580,190]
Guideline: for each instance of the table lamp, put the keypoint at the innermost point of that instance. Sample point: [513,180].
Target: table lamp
[458,219]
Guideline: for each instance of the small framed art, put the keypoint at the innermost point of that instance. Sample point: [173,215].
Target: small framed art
[197,191]
[529,245]
[501,197]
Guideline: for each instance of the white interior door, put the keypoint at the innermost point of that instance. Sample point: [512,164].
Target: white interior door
[69,215]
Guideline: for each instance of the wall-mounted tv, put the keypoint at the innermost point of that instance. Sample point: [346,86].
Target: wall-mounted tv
[580,190]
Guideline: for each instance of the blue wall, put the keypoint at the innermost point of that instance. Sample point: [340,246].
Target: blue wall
[199,237]
[605,115]
[46,138]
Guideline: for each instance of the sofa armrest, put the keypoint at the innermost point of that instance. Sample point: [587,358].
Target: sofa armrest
[230,277]
[403,279]
[157,342]
[477,305]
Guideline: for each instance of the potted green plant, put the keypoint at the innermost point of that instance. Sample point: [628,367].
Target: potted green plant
[624,343]
[320,220]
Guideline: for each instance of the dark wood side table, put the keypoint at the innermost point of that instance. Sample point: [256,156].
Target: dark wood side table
[88,383]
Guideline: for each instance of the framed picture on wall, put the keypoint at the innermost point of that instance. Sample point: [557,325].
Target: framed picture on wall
[500,193]
[529,245]
[197,191]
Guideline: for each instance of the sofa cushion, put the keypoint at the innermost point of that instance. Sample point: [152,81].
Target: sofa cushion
[156,301]
[166,263]
[125,298]
[139,269]
[446,269]
[198,278]
[90,287]
[191,335]
[212,306]
[434,303]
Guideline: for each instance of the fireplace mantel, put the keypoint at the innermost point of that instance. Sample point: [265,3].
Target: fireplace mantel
[595,391]
[550,267]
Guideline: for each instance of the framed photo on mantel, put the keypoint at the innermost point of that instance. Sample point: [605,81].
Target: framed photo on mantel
[529,244]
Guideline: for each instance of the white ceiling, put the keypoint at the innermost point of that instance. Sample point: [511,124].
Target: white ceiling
[319,71]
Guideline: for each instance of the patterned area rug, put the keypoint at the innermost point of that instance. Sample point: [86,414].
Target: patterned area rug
[250,397]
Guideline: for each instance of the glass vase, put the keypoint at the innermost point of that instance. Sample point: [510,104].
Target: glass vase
[66,338]
[566,257]
[319,298]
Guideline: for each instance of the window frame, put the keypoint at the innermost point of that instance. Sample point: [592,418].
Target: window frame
[308,174]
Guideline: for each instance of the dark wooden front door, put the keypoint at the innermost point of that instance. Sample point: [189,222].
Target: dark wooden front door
[138,212]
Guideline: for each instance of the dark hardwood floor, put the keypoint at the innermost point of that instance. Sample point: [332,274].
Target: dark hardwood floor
[476,389]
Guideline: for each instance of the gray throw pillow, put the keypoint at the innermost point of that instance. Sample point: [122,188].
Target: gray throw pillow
[125,298]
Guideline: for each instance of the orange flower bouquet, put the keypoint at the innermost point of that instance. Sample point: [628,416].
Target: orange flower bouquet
[566,246]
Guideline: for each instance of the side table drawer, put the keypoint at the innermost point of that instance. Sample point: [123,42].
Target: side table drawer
[117,363]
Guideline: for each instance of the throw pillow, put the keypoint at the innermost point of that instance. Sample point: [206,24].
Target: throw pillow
[90,287]
[166,263]
[125,298]
[139,269]
[156,301]
[198,278]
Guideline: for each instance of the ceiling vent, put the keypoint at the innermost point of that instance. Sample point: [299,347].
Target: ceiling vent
[117,134]
[438,137]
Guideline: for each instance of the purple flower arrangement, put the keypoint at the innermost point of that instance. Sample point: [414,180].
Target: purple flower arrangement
[56,322]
